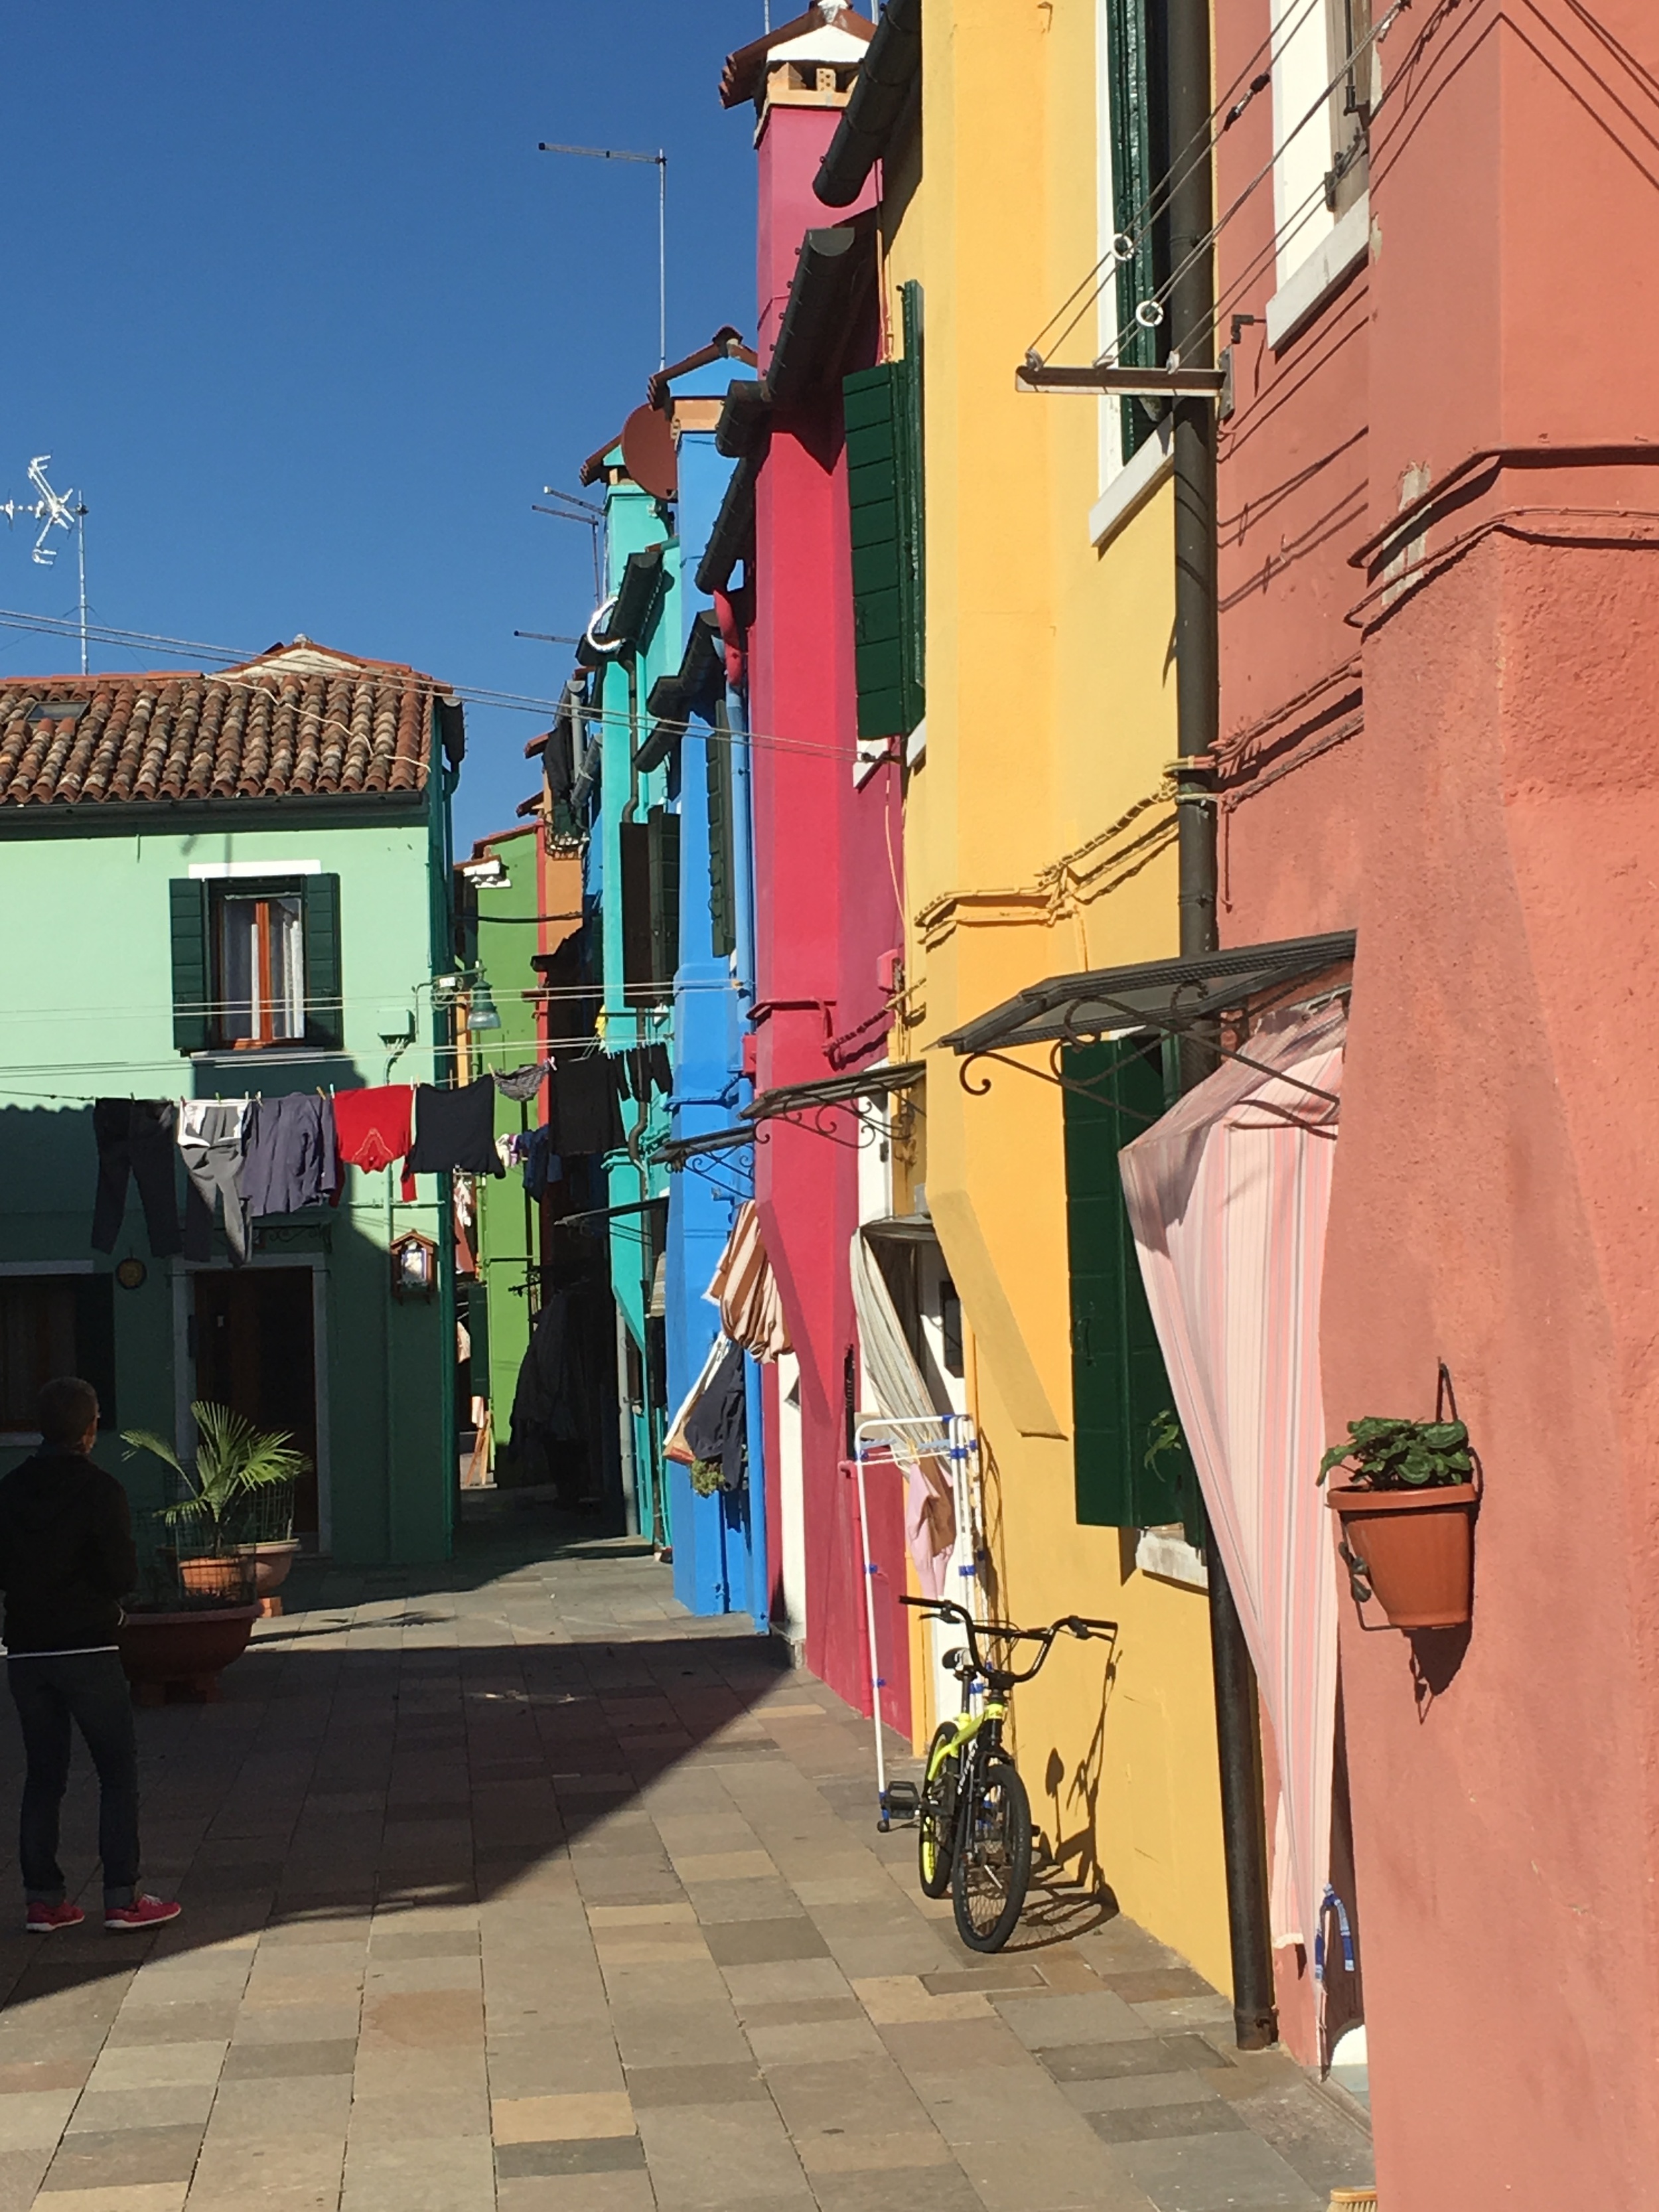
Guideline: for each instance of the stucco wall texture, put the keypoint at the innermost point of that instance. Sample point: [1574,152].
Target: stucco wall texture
[1489,827]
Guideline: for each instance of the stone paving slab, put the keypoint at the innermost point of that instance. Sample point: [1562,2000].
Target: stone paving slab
[509,1888]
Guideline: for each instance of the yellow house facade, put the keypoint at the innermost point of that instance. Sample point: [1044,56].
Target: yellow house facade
[1039,839]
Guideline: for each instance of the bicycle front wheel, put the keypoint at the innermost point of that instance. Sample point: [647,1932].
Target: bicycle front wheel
[992,1865]
[936,1823]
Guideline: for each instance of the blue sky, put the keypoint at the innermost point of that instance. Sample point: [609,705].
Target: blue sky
[296,302]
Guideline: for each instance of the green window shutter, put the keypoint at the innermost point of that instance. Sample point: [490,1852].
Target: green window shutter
[913,505]
[664,848]
[1120,1389]
[325,1013]
[191,964]
[94,1340]
[634,850]
[722,889]
[1135,83]
[883,498]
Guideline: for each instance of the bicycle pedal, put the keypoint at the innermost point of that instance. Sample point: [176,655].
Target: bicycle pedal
[904,1801]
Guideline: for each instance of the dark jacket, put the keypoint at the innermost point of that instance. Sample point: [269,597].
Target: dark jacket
[66,1553]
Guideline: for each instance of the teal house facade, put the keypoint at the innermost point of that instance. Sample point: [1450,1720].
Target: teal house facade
[231,886]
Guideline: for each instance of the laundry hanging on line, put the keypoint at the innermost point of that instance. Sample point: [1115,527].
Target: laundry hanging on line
[455,1129]
[211,1135]
[375,1128]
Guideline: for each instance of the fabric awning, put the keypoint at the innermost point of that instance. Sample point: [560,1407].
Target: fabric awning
[1172,995]
[1228,1196]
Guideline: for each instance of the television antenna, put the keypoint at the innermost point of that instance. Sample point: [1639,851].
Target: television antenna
[53,510]
[658,160]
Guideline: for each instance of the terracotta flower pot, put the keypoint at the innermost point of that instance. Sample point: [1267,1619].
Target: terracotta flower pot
[224,1575]
[183,1651]
[1415,1548]
[270,1562]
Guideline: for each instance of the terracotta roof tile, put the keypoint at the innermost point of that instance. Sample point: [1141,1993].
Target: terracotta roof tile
[301,721]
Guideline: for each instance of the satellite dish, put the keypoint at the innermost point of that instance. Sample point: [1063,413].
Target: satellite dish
[647,450]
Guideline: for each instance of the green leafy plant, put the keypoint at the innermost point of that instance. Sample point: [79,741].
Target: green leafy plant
[1385,1455]
[234,1460]
[1163,1437]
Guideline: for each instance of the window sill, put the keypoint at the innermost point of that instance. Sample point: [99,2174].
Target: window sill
[1132,487]
[1326,269]
[1171,1558]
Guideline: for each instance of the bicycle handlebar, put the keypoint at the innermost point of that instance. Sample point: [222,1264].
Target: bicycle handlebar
[1004,1631]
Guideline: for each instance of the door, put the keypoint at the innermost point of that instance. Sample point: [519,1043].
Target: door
[255,1354]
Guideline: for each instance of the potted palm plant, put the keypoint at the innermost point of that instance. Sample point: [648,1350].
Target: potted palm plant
[1407,1512]
[237,1467]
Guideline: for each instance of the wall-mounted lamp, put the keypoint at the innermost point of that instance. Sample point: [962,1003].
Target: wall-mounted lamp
[414,1265]
[481,1013]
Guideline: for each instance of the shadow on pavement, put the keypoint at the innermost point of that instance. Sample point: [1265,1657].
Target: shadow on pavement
[375,1748]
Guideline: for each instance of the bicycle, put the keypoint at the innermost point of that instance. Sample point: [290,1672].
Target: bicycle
[974,1817]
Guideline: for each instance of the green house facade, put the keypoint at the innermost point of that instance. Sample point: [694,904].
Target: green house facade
[229,886]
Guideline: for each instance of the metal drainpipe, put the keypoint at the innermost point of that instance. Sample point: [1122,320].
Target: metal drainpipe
[1197,712]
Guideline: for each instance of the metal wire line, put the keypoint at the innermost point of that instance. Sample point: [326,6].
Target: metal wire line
[1161,296]
[389,677]
[1137,225]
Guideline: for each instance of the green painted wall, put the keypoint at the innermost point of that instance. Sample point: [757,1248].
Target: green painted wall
[506,1235]
[86,1001]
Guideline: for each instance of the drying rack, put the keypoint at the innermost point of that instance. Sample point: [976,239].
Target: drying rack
[954,1438]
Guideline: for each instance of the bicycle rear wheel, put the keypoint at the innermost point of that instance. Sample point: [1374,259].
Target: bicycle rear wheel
[936,1822]
[992,1866]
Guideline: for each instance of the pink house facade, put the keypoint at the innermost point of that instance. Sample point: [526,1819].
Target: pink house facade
[827,844]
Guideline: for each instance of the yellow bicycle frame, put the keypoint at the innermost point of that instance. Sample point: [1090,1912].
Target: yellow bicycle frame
[964,1728]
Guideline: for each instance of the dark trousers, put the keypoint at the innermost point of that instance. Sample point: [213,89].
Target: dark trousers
[88,1689]
[137,1137]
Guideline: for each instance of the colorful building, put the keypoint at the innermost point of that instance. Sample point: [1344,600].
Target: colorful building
[214,886]
[1436,636]
[1039,832]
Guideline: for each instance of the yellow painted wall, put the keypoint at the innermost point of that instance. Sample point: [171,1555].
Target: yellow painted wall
[1039,839]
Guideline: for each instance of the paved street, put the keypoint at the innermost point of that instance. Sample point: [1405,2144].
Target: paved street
[509,1885]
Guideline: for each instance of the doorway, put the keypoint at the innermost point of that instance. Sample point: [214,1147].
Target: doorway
[255,1352]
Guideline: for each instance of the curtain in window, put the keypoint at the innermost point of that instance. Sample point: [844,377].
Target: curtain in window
[1228,1195]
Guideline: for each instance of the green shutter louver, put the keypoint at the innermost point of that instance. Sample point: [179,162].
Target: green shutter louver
[192,964]
[1136,83]
[1119,1389]
[325,1012]
[883,413]
[722,888]
[664,829]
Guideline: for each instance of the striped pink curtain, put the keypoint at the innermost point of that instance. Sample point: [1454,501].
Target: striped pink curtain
[1228,1195]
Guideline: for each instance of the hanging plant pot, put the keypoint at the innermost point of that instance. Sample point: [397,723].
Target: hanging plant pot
[1413,1550]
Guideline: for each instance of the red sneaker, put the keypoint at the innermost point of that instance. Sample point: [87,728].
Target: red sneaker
[44,1919]
[142,1912]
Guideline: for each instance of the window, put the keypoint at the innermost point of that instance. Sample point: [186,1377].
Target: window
[650,854]
[1322,52]
[1351,102]
[722,860]
[882,407]
[1132,159]
[1122,1408]
[53,1325]
[260,984]
[256,964]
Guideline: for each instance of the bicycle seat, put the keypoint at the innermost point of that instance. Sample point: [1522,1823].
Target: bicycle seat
[957,1661]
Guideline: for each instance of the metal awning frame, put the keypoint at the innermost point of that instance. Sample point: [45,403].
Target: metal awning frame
[1300,962]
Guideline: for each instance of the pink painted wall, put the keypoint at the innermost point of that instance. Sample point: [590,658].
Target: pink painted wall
[825,911]
[1491,831]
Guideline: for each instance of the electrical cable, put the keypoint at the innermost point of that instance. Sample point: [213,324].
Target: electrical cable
[1159,299]
[1155,202]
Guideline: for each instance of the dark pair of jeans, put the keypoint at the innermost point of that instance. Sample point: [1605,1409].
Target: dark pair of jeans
[85,1690]
[137,1137]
